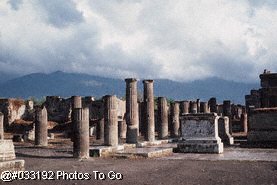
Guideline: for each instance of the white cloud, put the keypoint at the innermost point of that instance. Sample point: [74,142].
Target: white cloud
[179,40]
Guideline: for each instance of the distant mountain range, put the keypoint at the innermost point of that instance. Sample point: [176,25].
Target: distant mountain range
[67,84]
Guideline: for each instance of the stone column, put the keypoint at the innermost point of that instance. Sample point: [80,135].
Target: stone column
[149,109]
[204,107]
[80,128]
[111,122]
[175,122]
[41,132]
[193,107]
[81,132]
[227,108]
[162,118]
[122,129]
[213,105]
[1,126]
[243,120]
[198,105]
[100,129]
[132,110]
[184,107]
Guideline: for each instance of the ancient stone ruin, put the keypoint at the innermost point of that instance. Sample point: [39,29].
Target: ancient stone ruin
[262,110]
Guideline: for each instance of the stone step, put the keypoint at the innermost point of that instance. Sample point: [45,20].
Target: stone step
[150,152]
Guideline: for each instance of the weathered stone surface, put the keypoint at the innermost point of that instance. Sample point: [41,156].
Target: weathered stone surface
[12,109]
[41,131]
[111,121]
[224,131]
[1,126]
[200,134]
[263,125]
[132,119]
[244,122]
[175,122]
[149,109]
[6,150]
[162,118]
[14,165]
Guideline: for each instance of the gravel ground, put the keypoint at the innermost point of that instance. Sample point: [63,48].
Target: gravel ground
[57,158]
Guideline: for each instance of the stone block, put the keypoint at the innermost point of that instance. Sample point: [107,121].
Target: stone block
[6,150]
[263,126]
[200,134]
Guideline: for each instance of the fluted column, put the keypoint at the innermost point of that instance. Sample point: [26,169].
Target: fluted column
[111,121]
[132,110]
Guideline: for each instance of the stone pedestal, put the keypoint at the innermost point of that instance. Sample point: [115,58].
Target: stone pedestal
[175,122]
[200,134]
[111,123]
[224,131]
[132,119]
[149,109]
[7,157]
[162,118]
[41,131]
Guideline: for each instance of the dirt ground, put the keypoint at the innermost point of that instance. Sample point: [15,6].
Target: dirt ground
[57,158]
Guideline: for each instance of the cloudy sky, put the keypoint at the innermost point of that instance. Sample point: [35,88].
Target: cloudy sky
[174,39]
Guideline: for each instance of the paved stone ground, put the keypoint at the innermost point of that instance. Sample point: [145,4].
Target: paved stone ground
[235,166]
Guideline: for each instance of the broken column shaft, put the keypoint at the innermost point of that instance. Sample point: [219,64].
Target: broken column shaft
[80,121]
[149,109]
[227,108]
[162,118]
[184,107]
[193,107]
[213,105]
[111,122]
[204,107]
[41,132]
[175,122]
